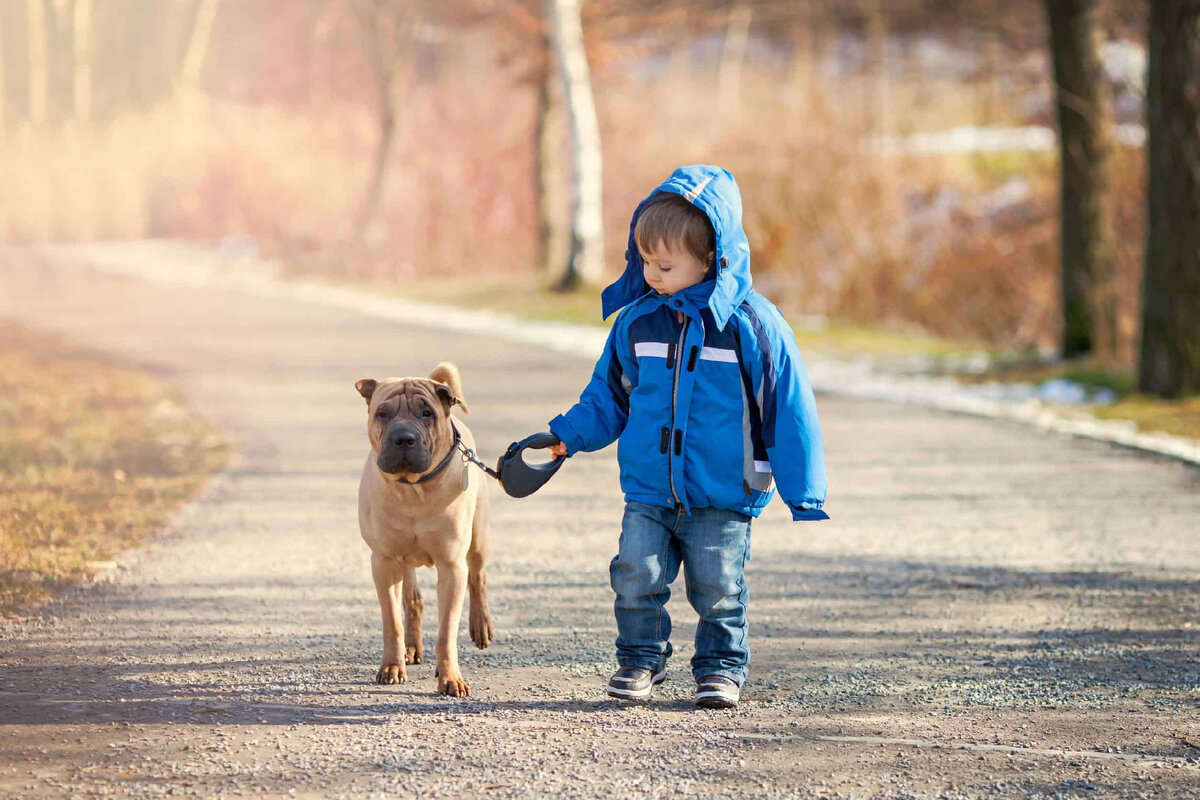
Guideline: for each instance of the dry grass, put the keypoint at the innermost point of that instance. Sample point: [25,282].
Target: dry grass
[290,178]
[916,244]
[530,296]
[1150,414]
[1085,371]
[94,458]
[1176,417]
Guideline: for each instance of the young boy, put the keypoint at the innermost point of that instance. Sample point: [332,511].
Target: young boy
[702,383]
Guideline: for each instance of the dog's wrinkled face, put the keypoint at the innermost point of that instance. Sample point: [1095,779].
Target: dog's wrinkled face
[408,422]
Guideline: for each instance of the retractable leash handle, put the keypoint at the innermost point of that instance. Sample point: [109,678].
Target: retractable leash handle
[520,479]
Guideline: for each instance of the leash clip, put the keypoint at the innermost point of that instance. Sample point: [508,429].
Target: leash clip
[469,457]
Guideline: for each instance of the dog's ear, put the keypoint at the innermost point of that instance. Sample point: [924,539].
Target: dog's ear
[366,387]
[449,386]
[446,396]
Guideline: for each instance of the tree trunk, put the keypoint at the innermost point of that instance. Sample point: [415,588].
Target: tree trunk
[992,62]
[553,236]
[586,262]
[1170,356]
[3,90]
[733,55]
[383,153]
[39,69]
[1088,283]
[384,58]
[875,93]
[83,61]
[191,73]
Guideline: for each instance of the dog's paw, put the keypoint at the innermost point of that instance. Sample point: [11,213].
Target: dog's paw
[454,687]
[414,655]
[391,673]
[481,630]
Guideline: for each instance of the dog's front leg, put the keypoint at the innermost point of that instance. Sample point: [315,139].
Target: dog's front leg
[389,582]
[451,589]
[414,653]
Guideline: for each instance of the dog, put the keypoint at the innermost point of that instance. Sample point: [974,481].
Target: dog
[420,504]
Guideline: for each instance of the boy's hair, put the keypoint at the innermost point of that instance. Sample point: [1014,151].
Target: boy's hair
[672,221]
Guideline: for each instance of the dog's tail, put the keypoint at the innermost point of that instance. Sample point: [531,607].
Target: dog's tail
[447,373]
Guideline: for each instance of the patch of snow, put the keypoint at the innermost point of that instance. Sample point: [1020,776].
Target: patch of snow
[1062,391]
[988,139]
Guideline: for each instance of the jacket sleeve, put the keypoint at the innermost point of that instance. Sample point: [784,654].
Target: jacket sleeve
[603,409]
[790,429]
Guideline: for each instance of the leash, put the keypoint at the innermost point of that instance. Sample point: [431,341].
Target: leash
[469,457]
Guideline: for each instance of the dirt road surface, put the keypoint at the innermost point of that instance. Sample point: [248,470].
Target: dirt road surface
[992,611]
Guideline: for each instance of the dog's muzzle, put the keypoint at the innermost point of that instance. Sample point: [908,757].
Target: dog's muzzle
[403,449]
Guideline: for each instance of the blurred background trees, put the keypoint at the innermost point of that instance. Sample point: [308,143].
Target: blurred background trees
[899,159]
[1088,285]
[1170,358]
[585,261]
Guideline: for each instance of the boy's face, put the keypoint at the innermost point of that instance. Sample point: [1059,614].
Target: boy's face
[669,269]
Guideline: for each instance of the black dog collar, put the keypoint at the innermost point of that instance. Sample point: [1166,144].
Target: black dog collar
[440,468]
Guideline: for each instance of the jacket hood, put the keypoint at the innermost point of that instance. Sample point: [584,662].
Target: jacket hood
[714,191]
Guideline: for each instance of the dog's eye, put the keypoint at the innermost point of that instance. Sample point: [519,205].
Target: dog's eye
[383,413]
[427,413]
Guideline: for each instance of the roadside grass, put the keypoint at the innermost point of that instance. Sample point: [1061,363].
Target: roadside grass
[95,457]
[1090,375]
[525,295]
[531,296]
[1179,417]
[1176,417]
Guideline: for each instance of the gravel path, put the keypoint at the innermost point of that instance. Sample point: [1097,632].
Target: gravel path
[993,611]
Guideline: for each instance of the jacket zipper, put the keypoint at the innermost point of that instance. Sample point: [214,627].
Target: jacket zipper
[674,399]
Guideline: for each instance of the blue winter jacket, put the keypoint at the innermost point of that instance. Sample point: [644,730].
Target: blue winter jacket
[710,410]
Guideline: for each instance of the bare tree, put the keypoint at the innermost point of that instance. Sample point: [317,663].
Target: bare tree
[387,26]
[1089,292]
[733,54]
[3,83]
[586,262]
[191,72]
[39,67]
[876,96]
[1170,357]
[553,234]
[82,31]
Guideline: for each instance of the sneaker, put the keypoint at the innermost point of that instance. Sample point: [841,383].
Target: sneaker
[716,691]
[632,683]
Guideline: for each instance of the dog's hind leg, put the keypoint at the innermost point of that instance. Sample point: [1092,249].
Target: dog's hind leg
[389,578]
[413,607]
[480,616]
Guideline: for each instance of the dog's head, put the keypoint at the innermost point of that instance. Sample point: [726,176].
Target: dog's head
[408,419]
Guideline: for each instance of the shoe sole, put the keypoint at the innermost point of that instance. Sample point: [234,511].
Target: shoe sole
[635,694]
[708,696]
[714,700]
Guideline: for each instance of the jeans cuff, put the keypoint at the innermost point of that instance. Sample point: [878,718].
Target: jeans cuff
[655,667]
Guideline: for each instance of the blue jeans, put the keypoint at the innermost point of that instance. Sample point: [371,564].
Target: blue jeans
[713,546]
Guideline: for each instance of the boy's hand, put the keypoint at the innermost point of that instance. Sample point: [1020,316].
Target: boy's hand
[558,450]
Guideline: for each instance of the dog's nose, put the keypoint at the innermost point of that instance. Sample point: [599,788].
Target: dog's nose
[404,438]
